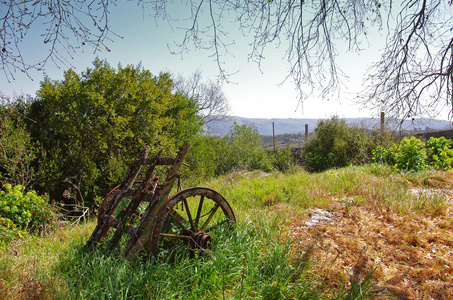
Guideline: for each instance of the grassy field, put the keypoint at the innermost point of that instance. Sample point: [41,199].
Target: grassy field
[353,233]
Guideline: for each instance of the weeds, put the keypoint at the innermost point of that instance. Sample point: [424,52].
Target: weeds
[262,258]
[245,264]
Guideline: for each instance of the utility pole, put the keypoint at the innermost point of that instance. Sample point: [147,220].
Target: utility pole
[273,135]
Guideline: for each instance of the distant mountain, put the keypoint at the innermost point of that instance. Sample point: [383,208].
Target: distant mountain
[282,126]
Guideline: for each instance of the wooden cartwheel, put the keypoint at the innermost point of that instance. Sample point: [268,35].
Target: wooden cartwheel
[142,210]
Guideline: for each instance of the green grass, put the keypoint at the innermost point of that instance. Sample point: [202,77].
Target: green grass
[254,261]
[244,264]
[27,267]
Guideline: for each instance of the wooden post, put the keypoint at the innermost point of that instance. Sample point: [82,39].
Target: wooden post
[382,126]
[382,122]
[306,131]
[273,135]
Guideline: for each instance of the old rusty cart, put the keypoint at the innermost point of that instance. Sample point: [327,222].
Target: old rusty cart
[144,217]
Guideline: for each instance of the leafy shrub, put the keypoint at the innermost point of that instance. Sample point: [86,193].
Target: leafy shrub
[241,149]
[92,125]
[202,158]
[411,155]
[9,232]
[335,144]
[440,153]
[18,153]
[317,162]
[21,212]
[385,155]
[282,160]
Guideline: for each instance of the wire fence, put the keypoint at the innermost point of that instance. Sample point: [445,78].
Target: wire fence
[414,126]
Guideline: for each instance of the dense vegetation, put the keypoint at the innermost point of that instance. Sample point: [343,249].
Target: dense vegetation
[75,140]
[336,145]
[263,258]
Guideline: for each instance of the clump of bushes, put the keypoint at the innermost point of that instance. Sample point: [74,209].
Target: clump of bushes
[241,149]
[21,214]
[440,153]
[336,145]
[411,154]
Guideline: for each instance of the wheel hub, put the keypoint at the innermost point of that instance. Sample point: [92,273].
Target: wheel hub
[200,239]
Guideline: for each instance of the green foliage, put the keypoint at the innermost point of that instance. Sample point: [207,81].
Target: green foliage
[384,155]
[92,125]
[9,232]
[202,158]
[19,212]
[316,162]
[17,151]
[240,149]
[408,155]
[440,153]
[283,159]
[411,155]
[335,144]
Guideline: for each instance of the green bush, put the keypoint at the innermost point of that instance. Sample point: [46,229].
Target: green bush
[201,158]
[317,162]
[21,212]
[282,160]
[9,232]
[411,155]
[440,153]
[335,144]
[241,149]
[383,155]
[92,125]
[18,153]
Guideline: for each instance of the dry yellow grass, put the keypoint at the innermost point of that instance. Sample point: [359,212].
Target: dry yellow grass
[411,255]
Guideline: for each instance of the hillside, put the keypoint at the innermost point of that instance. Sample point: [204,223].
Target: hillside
[292,126]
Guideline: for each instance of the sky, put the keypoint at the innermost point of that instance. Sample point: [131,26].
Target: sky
[252,93]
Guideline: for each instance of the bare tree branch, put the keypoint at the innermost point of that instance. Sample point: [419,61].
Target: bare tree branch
[68,26]
[414,73]
[211,101]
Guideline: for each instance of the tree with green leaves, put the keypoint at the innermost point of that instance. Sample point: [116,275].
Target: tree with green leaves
[17,151]
[92,125]
[337,145]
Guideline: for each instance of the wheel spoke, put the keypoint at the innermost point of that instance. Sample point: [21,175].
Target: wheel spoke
[213,211]
[189,215]
[177,220]
[177,236]
[172,229]
[200,207]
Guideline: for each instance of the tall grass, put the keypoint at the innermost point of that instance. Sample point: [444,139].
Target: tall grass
[256,260]
[27,266]
[246,263]
[292,192]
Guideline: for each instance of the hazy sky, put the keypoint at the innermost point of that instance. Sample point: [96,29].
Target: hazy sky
[252,93]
